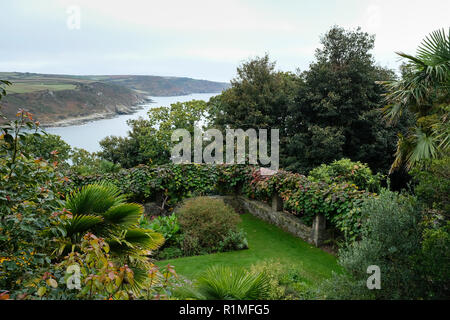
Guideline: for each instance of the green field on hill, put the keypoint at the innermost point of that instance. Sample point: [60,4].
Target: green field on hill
[33,86]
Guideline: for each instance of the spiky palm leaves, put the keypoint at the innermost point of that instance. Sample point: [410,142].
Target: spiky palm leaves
[100,209]
[423,90]
[225,283]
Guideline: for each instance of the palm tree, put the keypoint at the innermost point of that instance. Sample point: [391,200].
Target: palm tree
[100,209]
[424,90]
[225,283]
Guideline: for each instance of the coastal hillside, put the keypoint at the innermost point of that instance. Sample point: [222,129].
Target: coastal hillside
[165,86]
[71,102]
[67,99]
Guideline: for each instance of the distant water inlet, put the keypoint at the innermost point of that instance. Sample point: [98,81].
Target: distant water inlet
[88,135]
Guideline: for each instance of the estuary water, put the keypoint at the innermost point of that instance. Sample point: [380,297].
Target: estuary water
[88,135]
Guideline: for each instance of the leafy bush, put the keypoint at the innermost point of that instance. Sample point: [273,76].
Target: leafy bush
[169,253]
[206,222]
[46,146]
[100,277]
[432,262]
[29,203]
[231,179]
[338,201]
[285,283]
[343,287]
[409,244]
[390,238]
[168,226]
[304,197]
[391,235]
[345,170]
[433,184]
[234,240]
[87,163]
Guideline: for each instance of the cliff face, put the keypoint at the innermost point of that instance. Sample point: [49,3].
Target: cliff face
[87,101]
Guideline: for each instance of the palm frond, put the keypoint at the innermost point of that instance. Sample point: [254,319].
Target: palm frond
[124,215]
[93,198]
[424,148]
[435,48]
[81,224]
[140,276]
[425,91]
[136,239]
[441,130]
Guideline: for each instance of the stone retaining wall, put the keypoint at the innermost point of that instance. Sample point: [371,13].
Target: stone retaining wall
[285,221]
[316,234]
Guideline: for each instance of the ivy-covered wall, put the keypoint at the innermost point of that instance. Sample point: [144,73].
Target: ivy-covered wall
[304,197]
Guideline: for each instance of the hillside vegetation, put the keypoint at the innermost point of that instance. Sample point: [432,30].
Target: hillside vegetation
[61,99]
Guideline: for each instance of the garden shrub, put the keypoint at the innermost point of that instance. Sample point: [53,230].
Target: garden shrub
[206,223]
[170,183]
[231,179]
[177,182]
[101,277]
[433,184]
[169,253]
[234,240]
[285,282]
[168,226]
[433,260]
[191,246]
[409,242]
[29,203]
[343,287]
[345,170]
[391,237]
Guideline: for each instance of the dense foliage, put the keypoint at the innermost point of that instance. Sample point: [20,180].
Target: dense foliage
[286,282]
[43,234]
[423,90]
[345,170]
[325,113]
[258,98]
[209,225]
[149,140]
[62,209]
[410,246]
[30,190]
[335,196]
[432,184]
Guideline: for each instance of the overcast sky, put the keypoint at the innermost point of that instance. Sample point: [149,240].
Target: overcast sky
[198,39]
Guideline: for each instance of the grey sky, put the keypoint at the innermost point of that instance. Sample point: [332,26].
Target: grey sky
[199,39]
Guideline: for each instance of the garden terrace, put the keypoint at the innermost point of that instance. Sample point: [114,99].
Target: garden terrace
[332,201]
[266,242]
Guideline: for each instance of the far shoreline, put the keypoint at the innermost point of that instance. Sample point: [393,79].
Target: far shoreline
[76,121]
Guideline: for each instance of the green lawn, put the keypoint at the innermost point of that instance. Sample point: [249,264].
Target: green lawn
[266,241]
[23,87]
